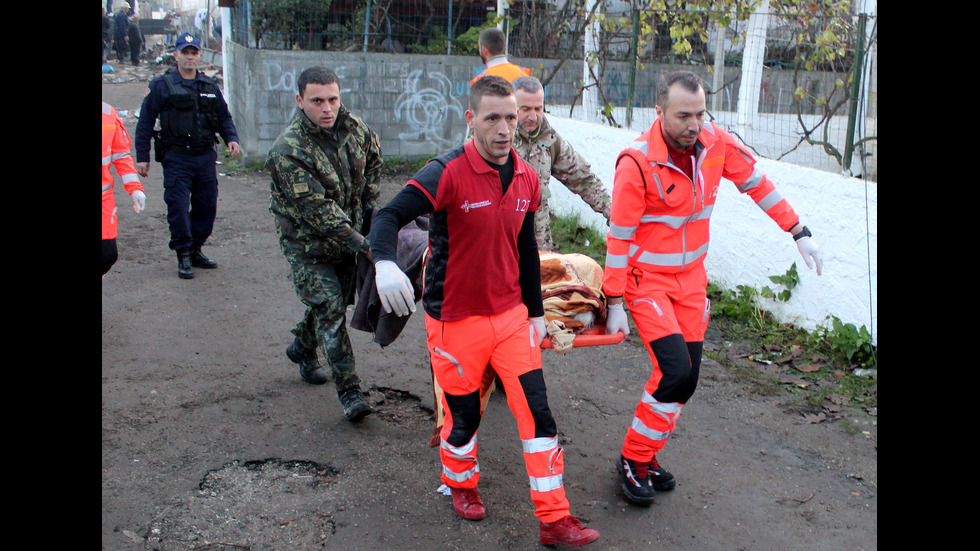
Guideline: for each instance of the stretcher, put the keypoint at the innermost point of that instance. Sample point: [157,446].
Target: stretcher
[576,272]
[571,289]
[591,337]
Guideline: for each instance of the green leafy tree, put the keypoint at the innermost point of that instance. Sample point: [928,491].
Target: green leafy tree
[466,43]
[290,21]
[825,41]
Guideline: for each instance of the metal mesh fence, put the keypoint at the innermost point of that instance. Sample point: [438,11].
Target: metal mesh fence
[394,26]
[811,97]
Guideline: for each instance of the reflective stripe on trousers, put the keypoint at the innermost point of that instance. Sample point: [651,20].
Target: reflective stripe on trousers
[653,423]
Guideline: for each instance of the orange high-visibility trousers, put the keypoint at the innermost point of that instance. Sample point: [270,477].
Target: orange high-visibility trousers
[460,352]
[671,313]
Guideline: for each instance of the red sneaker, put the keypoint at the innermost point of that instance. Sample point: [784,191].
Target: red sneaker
[567,531]
[468,504]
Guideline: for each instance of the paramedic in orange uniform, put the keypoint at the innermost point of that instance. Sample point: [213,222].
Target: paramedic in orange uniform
[664,191]
[482,301]
[115,153]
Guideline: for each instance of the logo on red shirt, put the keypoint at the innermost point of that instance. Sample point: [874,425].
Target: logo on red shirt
[467,205]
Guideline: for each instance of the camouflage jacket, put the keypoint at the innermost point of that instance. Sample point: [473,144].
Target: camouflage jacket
[324,182]
[550,155]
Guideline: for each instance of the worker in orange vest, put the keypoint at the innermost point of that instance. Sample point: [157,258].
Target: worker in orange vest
[115,152]
[493,49]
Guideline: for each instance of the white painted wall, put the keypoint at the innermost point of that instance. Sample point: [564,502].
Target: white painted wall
[747,247]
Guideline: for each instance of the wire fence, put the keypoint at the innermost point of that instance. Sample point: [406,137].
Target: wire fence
[810,92]
[393,26]
[810,99]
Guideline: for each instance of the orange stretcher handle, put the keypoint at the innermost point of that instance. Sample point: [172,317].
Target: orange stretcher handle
[592,337]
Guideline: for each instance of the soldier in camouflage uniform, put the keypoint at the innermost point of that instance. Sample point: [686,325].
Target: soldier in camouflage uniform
[542,148]
[324,169]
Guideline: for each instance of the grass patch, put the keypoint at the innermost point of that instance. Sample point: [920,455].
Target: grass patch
[570,235]
[241,164]
[827,368]
[398,165]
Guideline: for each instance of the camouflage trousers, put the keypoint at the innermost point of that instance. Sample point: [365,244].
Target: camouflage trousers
[327,290]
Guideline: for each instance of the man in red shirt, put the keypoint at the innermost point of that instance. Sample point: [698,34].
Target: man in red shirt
[664,191]
[482,301]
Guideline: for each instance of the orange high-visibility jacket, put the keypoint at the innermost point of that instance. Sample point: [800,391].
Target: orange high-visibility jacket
[659,217]
[115,152]
[508,71]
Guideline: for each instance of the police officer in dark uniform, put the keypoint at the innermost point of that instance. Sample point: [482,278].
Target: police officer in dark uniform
[191,111]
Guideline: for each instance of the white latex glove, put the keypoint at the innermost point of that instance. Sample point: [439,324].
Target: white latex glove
[394,288]
[139,201]
[538,331]
[616,320]
[811,253]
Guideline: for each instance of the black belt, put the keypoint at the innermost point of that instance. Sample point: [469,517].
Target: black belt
[189,149]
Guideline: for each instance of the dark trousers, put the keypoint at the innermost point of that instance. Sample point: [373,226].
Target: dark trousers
[327,290]
[190,189]
[109,254]
[122,49]
[134,52]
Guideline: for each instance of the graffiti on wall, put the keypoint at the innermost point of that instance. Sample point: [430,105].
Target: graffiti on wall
[279,79]
[433,115]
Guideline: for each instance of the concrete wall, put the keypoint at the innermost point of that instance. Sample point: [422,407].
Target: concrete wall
[414,103]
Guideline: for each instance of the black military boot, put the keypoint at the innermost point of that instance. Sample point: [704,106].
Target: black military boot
[355,406]
[185,268]
[660,478]
[309,366]
[198,260]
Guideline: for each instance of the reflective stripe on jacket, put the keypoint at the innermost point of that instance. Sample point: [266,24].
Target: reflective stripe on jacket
[115,152]
[659,218]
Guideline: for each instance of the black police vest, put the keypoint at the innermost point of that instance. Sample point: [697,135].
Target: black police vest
[189,121]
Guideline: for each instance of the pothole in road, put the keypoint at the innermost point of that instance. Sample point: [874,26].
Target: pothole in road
[269,504]
[255,505]
[400,407]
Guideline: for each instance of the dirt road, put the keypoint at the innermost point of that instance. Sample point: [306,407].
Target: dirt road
[211,441]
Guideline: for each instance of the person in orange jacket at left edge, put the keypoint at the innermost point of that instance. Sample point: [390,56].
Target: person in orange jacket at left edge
[115,152]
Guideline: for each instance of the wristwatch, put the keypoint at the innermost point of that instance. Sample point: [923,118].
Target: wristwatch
[805,232]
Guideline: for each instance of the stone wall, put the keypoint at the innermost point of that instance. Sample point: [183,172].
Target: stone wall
[415,103]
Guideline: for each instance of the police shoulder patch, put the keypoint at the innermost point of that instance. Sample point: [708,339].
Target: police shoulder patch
[301,187]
